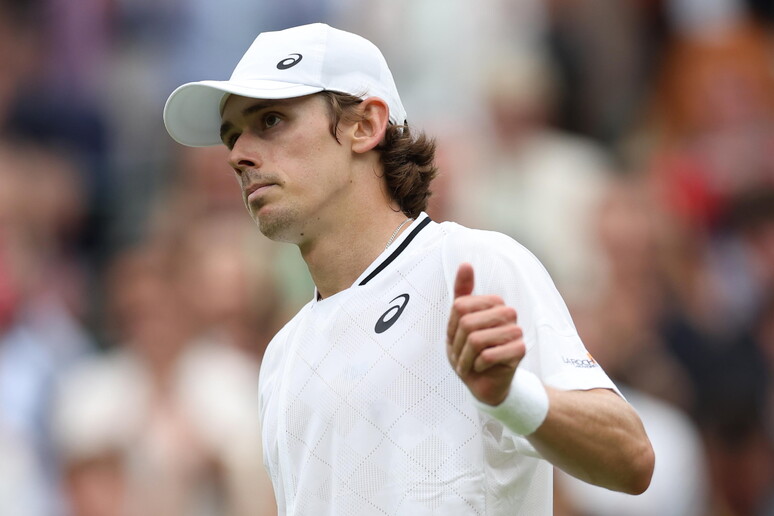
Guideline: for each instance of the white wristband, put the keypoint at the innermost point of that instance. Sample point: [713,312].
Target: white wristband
[526,406]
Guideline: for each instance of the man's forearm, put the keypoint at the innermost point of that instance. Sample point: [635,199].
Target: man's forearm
[597,437]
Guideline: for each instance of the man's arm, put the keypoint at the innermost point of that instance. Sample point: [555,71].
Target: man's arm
[597,437]
[593,435]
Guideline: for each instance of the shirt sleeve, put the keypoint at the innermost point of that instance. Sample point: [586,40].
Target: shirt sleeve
[502,266]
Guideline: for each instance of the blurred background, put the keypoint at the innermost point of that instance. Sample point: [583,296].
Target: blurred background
[628,144]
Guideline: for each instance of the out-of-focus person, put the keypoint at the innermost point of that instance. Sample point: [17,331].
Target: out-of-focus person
[712,126]
[532,181]
[620,327]
[42,309]
[167,420]
[226,279]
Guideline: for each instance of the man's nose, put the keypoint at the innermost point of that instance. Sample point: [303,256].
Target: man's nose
[243,156]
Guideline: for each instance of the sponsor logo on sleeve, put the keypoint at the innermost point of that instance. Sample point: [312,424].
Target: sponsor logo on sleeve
[581,363]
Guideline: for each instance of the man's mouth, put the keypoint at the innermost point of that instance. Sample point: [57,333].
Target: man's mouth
[256,189]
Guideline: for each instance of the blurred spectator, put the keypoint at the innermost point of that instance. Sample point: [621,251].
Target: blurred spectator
[227,282]
[55,302]
[620,324]
[679,487]
[531,181]
[604,50]
[42,299]
[718,334]
[712,168]
[27,474]
[740,260]
[167,421]
[56,102]
[620,329]
[713,122]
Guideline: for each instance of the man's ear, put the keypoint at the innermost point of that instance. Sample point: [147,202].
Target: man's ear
[369,130]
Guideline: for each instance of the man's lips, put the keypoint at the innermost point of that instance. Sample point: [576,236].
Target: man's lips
[256,188]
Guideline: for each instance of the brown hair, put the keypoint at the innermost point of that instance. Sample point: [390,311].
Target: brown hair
[408,161]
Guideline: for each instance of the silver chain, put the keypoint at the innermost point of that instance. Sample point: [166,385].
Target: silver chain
[395,233]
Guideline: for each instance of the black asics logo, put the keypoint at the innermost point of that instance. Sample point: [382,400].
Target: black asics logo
[390,316]
[289,61]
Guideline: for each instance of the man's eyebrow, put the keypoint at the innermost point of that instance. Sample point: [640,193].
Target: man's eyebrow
[249,110]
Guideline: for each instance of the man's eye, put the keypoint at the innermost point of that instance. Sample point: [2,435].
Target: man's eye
[271,120]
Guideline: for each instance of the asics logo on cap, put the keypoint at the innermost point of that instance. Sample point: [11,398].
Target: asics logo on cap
[389,317]
[289,61]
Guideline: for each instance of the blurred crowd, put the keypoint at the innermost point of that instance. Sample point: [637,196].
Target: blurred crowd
[629,145]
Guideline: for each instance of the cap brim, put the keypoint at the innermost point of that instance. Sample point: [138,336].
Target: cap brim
[192,111]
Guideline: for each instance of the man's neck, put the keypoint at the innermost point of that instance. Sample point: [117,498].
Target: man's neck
[337,258]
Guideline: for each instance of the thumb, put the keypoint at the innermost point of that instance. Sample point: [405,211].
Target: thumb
[463,284]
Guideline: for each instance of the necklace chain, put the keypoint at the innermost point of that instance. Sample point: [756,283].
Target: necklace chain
[395,233]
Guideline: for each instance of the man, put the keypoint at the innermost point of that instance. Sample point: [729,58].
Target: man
[361,412]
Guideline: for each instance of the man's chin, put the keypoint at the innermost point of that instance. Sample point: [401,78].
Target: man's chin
[276,226]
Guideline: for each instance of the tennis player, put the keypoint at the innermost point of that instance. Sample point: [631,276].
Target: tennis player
[436,370]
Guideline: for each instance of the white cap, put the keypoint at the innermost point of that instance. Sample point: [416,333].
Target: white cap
[285,64]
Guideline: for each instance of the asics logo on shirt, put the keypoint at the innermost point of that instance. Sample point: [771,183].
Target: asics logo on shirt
[389,317]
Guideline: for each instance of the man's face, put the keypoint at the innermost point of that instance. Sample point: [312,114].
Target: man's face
[294,175]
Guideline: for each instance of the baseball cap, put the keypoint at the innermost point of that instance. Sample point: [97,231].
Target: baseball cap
[285,64]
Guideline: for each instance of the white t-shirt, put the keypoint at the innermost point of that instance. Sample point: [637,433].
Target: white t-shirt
[362,413]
